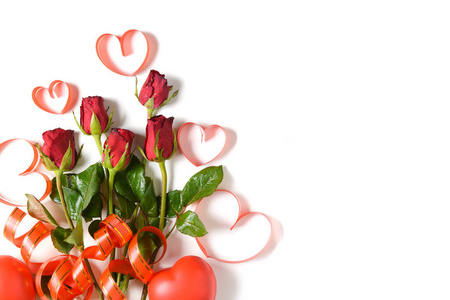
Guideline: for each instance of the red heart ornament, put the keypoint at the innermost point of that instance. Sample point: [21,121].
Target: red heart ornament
[16,281]
[190,278]
[58,91]
[201,145]
[132,62]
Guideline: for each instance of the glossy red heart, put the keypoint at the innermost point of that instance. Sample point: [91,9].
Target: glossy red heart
[190,278]
[16,281]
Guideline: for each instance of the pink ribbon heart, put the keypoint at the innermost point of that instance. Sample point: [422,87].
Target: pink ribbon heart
[201,145]
[30,169]
[58,91]
[105,53]
[240,222]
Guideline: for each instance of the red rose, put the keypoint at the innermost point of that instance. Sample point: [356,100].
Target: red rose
[117,149]
[93,117]
[159,139]
[154,87]
[59,149]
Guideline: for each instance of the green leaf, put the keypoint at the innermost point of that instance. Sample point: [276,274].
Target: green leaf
[201,185]
[76,237]
[74,202]
[80,190]
[94,227]
[58,236]
[38,211]
[88,182]
[125,209]
[67,180]
[154,221]
[94,209]
[188,223]
[146,245]
[174,203]
[54,193]
[134,186]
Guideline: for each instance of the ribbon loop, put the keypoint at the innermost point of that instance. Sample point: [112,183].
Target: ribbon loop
[113,233]
[142,269]
[69,275]
[29,240]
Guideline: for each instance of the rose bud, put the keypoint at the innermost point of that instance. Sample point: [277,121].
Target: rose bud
[155,91]
[160,142]
[93,116]
[58,151]
[117,149]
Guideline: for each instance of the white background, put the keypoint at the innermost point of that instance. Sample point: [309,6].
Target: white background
[337,112]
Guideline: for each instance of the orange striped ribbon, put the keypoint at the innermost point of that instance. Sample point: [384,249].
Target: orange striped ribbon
[69,275]
[135,266]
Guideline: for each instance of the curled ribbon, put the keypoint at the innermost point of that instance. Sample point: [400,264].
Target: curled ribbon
[69,275]
[239,218]
[38,97]
[135,266]
[31,169]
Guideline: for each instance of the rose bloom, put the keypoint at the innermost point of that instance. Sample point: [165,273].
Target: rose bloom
[166,137]
[154,87]
[56,144]
[93,106]
[116,143]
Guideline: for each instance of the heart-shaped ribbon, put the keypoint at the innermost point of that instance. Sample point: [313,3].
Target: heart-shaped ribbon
[58,91]
[30,170]
[249,242]
[127,62]
[201,145]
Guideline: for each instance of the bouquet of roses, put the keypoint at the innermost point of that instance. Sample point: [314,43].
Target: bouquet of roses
[138,220]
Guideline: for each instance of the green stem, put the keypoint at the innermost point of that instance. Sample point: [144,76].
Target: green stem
[162,167]
[175,223]
[144,292]
[112,174]
[61,196]
[98,142]
[91,273]
[149,113]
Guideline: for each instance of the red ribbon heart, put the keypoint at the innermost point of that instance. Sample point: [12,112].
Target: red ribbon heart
[30,170]
[58,90]
[190,148]
[190,278]
[126,48]
[241,217]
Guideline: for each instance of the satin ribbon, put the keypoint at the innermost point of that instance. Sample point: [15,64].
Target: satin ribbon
[69,275]
[31,169]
